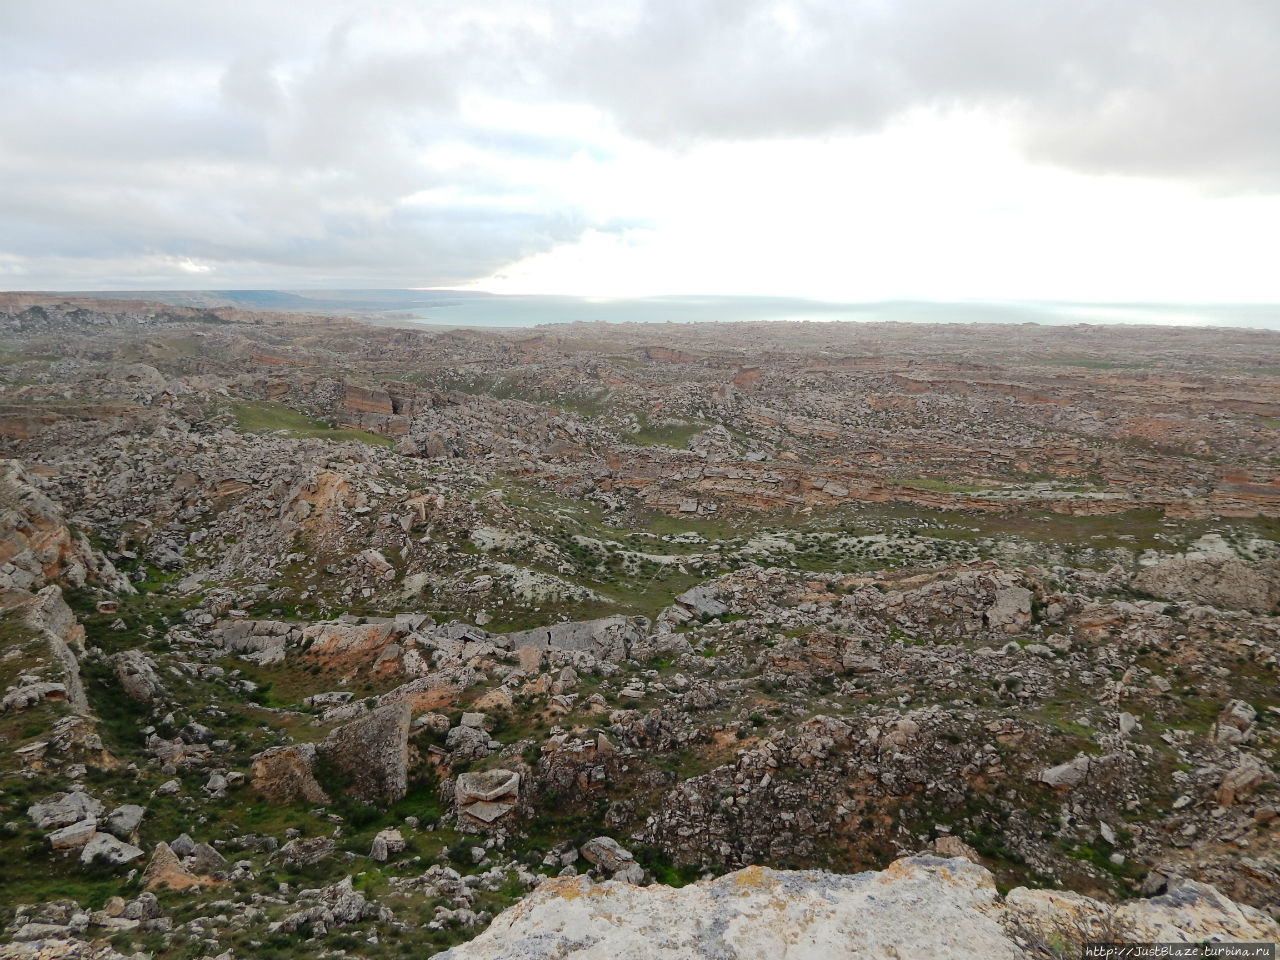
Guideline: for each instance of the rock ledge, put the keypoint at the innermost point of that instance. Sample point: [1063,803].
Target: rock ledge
[920,906]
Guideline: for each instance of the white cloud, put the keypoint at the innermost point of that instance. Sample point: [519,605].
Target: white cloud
[934,207]
[946,148]
[187,265]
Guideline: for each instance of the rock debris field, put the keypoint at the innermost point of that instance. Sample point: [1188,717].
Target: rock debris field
[328,638]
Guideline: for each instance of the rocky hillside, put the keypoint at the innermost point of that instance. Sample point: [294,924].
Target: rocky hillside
[320,638]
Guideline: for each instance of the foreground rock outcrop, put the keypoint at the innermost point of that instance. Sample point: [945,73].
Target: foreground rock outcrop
[917,907]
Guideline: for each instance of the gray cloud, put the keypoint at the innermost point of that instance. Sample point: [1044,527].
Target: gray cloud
[1178,88]
[298,141]
[291,150]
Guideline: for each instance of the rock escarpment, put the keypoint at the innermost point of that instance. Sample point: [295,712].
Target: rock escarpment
[37,547]
[918,907]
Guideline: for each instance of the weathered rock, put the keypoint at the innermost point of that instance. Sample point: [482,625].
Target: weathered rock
[608,638]
[216,786]
[609,855]
[1069,774]
[48,614]
[900,733]
[1011,611]
[1221,581]
[25,697]
[124,820]
[166,870]
[1240,781]
[304,851]
[108,849]
[73,835]
[386,843]
[144,906]
[136,673]
[856,660]
[335,905]
[372,754]
[55,944]
[820,655]
[286,774]
[485,796]
[701,601]
[951,846]
[659,645]
[1234,722]
[36,546]
[1190,912]
[919,907]
[467,743]
[207,861]
[63,809]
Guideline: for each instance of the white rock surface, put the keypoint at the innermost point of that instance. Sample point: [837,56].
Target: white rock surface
[925,907]
[917,907]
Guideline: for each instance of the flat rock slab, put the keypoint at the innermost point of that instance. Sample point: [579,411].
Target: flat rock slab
[918,907]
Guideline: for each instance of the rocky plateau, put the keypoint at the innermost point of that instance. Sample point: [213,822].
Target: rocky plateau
[321,637]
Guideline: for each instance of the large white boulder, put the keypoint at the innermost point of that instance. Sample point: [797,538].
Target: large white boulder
[918,907]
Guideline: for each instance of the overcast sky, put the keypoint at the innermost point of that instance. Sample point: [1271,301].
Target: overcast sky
[853,149]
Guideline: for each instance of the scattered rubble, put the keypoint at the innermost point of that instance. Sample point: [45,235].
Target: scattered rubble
[319,632]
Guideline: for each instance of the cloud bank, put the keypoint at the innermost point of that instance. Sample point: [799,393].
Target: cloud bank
[404,143]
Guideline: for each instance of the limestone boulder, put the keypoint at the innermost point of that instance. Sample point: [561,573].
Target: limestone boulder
[467,743]
[73,835]
[484,797]
[136,674]
[166,870]
[25,697]
[1235,722]
[124,820]
[207,861]
[610,856]
[104,848]
[371,754]
[304,851]
[758,913]
[64,809]
[1067,775]
[701,601]
[1217,580]
[386,843]
[1240,781]
[609,638]
[287,774]
[1011,610]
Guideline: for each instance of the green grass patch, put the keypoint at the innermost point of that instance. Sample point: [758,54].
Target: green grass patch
[277,418]
[673,434]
